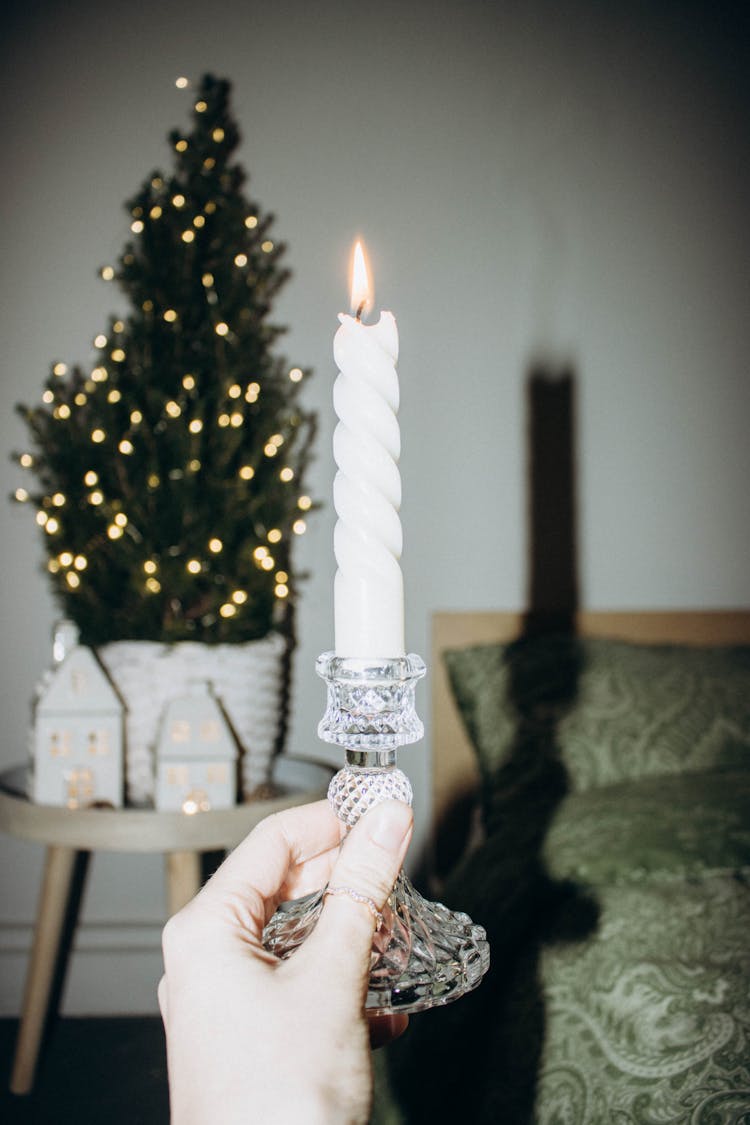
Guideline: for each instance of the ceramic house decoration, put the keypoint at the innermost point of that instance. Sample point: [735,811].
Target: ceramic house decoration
[77,738]
[196,755]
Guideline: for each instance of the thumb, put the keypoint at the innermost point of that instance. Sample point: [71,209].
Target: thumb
[368,865]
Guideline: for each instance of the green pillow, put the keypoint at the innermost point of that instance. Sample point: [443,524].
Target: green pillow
[602,711]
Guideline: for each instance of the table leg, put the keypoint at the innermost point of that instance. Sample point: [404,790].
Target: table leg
[49,934]
[183,879]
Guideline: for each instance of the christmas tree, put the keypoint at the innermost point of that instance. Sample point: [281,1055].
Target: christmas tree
[170,472]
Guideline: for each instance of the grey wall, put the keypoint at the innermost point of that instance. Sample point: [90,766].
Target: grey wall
[564,181]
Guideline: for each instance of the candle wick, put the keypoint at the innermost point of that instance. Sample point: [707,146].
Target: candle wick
[360,310]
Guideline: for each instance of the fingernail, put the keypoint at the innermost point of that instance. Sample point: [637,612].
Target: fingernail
[390,825]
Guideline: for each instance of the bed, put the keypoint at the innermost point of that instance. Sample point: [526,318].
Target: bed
[592,803]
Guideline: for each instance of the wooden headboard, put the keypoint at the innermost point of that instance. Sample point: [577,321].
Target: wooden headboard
[455,776]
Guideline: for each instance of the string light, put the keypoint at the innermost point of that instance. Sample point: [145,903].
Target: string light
[21,495]
[251,222]
[235,390]
[118,355]
[218,135]
[286,474]
[60,369]
[155,212]
[252,392]
[153,585]
[121,520]
[181,83]
[150,566]
[268,563]
[73,580]
[148,306]
[282,577]
[173,409]
[53,566]
[52,525]
[221,328]
[100,374]
[227,609]
[260,553]
[194,465]
[107,273]
[201,107]
[223,420]
[207,280]
[240,260]
[126,447]
[266,246]
[199,221]
[215,545]
[100,341]
[246,472]
[274,535]
[210,207]
[25,460]
[236,419]
[178,200]
[90,478]
[188,382]
[195,426]
[80,562]
[137,226]
[188,236]
[281,590]
[239,597]
[209,163]
[58,500]
[136,417]
[96,497]
[153,480]
[114,395]
[181,145]
[98,436]
[41,518]
[63,411]
[80,399]
[118,326]
[295,375]
[304,503]
[170,315]
[114,532]
[65,558]
[193,566]
[299,527]
[48,397]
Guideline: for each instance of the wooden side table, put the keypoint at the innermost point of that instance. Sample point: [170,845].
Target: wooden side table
[71,835]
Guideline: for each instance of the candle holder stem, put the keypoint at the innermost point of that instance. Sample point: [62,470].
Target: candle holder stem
[424,954]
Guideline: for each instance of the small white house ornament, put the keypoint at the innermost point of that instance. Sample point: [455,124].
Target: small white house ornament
[77,739]
[196,755]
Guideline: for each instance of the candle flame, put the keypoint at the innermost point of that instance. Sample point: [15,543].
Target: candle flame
[362,298]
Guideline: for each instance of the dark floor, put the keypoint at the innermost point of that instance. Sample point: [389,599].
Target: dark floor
[92,1072]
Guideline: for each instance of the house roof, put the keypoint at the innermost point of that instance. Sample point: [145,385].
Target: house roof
[79,685]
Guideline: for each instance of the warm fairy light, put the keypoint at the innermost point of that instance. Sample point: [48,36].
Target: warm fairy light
[281,590]
[199,221]
[268,563]
[274,535]
[239,597]
[299,527]
[60,369]
[80,562]
[172,408]
[215,545]
[154,480]
[91,478]
[270,449]
[169,315]
[73,580]
[209,163]
[155,212]
[266,246]
[126,447]
[25,460]
[136,417]
[52,525]
[21,495]
[188,382]
[80,399]
[193,566]
[153,585]
[252,392]
[96,497]
[100,341]
[137,212]
[194,465]
[99,374]
[223,420]
[107,273]
[188,236]
[178,200]
[235,390]
[304,503]
[207,280]
[247,472]
[295,375]
[114,532]
[236,419]
[114,395]
[260,553]
[221,328]
[65,558]
[137,226]
[118,326]
[210,207]
[286,474]
[282,577]
[361,291]
[181,83]
[195,426]
[227,610]
[181,145]
[148,306]
[251,222]
[98,436]
[58,499]
[48,397]
[118,355]
[240,259]
[150,567]
[218,135]
[41,518]
[121,520]
[63,410]
[201,106]
[53,566]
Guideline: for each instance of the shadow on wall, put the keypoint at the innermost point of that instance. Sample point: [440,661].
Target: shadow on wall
[477,1060]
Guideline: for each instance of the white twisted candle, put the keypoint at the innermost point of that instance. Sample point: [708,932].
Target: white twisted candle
[368,589]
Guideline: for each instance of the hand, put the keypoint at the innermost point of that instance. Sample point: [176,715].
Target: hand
[254,1039]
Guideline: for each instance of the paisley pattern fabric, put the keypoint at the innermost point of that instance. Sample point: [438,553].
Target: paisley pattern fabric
[614,882]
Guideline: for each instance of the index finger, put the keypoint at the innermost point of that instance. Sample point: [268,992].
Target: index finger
[263,863]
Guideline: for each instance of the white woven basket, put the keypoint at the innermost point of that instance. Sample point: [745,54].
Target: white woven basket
[247,679]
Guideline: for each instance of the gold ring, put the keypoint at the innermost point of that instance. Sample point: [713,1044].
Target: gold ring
[357,896]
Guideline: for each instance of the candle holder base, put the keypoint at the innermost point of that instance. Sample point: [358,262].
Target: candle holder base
[424,954]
